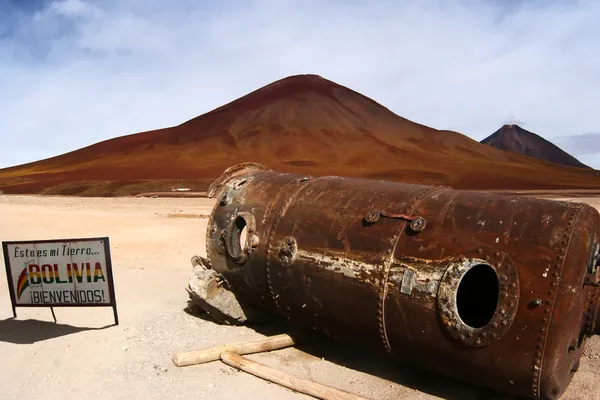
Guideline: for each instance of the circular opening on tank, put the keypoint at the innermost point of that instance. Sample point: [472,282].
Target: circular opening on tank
[238,238]
[477,296]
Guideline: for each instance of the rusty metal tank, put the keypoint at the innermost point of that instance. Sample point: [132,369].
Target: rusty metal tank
[500,291]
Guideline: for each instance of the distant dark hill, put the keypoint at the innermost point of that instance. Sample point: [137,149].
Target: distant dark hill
[301,124]
[518,140]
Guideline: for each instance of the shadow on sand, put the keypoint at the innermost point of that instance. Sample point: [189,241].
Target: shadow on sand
[31,331]
[373,363]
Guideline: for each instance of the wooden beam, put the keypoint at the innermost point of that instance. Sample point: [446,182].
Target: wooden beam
[182,359]
[287,380]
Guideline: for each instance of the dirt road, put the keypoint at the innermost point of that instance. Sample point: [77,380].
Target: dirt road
[85,356]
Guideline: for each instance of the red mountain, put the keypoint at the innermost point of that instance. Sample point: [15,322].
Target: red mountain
[518,140]
[303,124]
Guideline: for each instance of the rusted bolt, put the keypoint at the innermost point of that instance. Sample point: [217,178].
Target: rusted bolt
[418,224]
[372,216]
[536,302]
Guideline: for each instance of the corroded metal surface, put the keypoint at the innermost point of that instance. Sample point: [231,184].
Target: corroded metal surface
[497,290]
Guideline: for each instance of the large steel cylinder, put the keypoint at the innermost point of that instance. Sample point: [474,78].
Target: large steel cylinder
[500,291]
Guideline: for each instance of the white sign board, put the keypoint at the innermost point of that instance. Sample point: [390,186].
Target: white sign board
[60,273]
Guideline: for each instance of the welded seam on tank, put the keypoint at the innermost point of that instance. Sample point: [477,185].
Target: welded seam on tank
[337,263]
[383,291]
[271,208]
[280,213]
[544,337]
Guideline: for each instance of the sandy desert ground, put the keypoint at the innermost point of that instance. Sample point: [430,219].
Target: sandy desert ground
[85,356]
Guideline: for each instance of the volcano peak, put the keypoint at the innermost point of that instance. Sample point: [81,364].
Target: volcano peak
[512,137]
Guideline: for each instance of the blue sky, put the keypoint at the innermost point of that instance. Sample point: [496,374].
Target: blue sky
[75,72]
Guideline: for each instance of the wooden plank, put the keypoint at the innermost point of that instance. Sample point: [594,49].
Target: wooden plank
[284,379]
[182,359]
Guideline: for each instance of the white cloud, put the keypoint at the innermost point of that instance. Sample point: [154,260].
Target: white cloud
[77,72]
[70,8]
